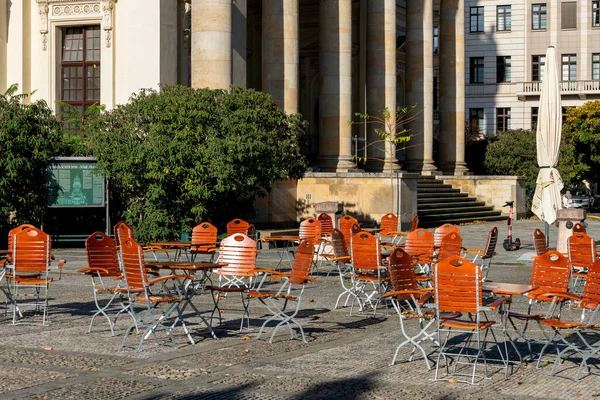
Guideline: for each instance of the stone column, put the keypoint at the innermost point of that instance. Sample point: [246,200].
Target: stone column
[280,52]
[381,80]
[419,84]
[335,89]
[452,87]
[3,42]
[211,44]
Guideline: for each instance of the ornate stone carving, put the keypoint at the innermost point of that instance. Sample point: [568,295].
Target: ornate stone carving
[43,10]
[107,9]
[75,9]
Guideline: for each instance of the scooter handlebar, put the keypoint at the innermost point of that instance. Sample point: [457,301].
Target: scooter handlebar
[509,204]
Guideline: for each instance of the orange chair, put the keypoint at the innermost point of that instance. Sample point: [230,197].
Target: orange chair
[310,228]
[388,225]
[204,240]
[458,289]
[139,291]
[122,230]
[483,256]
[442,231]
[582,253]
[419,244]
[326,224]
[539,242]
[550,273]
[408,300]
[31,261]
[579,228]
[11,239]
[238,254]
[103,264]
[366,262]
[398,236]
[451,246]
[343,261]
[290,291]
[572,335]
[346,223]
[237,226]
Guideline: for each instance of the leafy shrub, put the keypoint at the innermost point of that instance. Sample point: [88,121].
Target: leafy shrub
[182,155]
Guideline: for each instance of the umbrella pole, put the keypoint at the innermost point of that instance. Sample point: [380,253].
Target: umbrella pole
[547,233]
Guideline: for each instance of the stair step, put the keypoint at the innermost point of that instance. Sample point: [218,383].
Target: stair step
[460,215]
[439,200]
[438,196]
[436,184]
[437,190]
[456,210]
[454,203]
[457,221]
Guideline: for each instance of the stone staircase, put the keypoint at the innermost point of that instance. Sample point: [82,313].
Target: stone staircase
[439,203]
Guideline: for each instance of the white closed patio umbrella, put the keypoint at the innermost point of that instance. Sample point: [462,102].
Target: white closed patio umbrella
[547,199]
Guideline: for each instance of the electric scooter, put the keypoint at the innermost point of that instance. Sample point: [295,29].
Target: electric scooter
[508,244]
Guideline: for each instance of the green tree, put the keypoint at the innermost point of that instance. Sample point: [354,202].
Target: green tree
[29,137]
[582,131]
[182,155]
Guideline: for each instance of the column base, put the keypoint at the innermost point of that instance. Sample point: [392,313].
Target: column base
[383,166]
[422,167]
[336,163]
[457,169]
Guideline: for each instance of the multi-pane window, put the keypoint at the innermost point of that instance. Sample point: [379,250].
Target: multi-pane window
[80,66]
[534,116]
[503,69]
[595,13]
[538,65]
[477,19]
[503,18]
[568,15]
[476,69]
[569,67]
[596,66]
[502,119]
[538,16]
[476,119]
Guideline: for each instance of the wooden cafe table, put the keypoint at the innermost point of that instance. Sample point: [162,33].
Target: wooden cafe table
[179,247]
[200,270]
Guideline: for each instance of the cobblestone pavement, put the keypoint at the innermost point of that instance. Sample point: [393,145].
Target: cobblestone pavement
[345,357]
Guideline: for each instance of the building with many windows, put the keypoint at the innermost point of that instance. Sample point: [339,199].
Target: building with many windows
[505,48]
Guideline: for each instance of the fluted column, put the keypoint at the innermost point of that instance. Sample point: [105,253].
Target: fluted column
[335,89]
[381,79]
[419,84]
[452,88]
[280,52]
[211,44]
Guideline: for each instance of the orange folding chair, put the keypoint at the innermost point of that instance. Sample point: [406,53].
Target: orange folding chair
[398,236]
[577,337]
[408,300]
[290,291]
[204,240]
[458,289]
[237,226]
[238,254]
[31,261]
[442,231]
[482,256]
[419,244]
[582,253]
[451,245]
[342,259]
[310,228]
[370,278]
[346,223]
[103,265]
[122,230]
[139,291]
[539,242]
[326,224]
[578,227]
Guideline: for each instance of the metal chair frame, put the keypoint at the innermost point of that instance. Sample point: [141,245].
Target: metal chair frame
[483,256]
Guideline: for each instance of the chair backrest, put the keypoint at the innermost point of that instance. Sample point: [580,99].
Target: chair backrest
[415,223]
[451,246]
[339,245]
[121,231]
[346,222]
[539,242]
[303,260]
[355,229]
[387,224]
[490,245]
[419,244]
[31,251]
[458,285]
[550,273]
[237,226]
[591,290]
[579,228]
[133,264]
[204,237]
[326,224]
[101,252]
[402,272]
[310,228]
[366,254]
[238,252]
[11,238]
[582,250]
[442,231]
